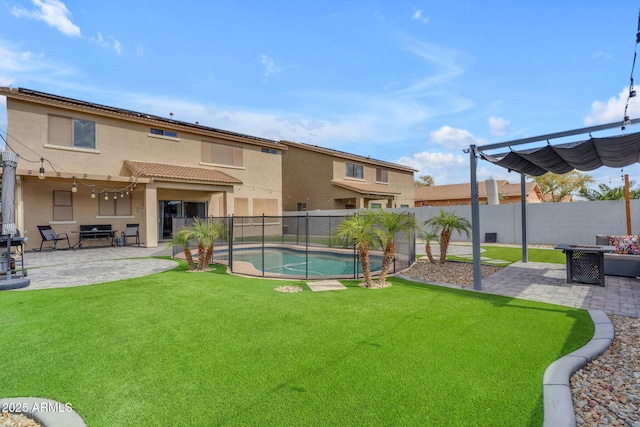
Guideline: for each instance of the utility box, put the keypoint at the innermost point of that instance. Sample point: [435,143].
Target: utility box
[491,237]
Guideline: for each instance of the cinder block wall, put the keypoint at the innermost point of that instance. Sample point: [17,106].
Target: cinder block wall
[547,223]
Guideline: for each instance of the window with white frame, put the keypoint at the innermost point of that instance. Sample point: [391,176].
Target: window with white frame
[71,132]
[354,170]
[162,132]
[382,175]
[116,204]
[62,205]
[221,154]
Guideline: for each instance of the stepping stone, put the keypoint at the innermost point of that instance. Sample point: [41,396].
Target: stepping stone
[326,285]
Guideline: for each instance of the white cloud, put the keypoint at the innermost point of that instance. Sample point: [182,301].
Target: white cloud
[19,66]
[448,167]
[109,43]
[448,64]
[613,109]
[419,16]
[53,12]
[270,66]
[498,125]
[455,139]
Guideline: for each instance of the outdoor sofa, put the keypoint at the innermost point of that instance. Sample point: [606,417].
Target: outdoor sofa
[625,261]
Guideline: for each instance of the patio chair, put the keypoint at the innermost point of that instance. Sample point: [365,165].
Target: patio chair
[132,230]
[49,235]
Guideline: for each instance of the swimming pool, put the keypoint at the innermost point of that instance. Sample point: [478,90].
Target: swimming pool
[291,262]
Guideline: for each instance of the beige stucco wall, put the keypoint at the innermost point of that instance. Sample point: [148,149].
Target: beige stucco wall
[116,141]
[308,176]
[307,179]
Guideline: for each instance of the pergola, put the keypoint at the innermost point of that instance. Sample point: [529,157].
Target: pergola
[585,155]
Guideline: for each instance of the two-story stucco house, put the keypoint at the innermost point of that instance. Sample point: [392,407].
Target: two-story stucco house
[105,165]
[321,178]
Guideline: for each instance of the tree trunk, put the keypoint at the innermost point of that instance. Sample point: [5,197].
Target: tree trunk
[427,248]
[208,255]
[201,256]
[189,257]
[363,252]
[389,251]
[444,245]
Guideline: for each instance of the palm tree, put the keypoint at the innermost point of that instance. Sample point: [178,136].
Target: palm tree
[216,230]
[388,225]
[360,228]
[605,192]
[444,223]
[181,238]
[428,236]
[198,230]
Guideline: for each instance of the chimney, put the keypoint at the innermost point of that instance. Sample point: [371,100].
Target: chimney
[492,192]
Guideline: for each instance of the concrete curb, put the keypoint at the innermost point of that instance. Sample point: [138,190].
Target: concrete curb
[556,391]
[49,413]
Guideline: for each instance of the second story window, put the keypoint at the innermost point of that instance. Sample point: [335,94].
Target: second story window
[354,171]
[269,150]
[221,154]
[70,132]
[382,175]
[162,132]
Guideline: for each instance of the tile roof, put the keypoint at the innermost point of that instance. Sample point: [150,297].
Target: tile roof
[179,173]
[364,188]
[463,191]
[345,155]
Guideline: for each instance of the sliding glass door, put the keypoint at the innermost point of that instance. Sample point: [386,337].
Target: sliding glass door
[169,209]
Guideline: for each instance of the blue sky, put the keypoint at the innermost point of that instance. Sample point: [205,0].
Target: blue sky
[404,81]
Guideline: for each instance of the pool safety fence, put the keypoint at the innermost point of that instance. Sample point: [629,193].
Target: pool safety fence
[295,247]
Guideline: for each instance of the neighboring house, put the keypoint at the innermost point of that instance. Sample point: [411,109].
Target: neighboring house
[320,178]
[460,194]
[106,165]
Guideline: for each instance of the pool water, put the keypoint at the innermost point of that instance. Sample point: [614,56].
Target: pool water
[292,262]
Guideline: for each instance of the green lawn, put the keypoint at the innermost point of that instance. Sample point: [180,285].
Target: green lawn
[207,349]
[513,254]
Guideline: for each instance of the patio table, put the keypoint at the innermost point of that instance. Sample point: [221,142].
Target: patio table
[585,263]
[96,234]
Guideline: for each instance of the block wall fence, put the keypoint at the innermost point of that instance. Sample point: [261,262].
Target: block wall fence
[547,223]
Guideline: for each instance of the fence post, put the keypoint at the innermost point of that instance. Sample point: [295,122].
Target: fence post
[306,265]
[230,250]
[263,244]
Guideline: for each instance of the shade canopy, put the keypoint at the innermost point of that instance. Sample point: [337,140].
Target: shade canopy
[614,151]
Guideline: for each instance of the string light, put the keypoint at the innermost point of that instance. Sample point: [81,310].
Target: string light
[106,195]
[74,187]
[93,192]
[632,93]
[41,172]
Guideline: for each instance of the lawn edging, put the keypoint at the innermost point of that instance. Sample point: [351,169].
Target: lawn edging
[556,391]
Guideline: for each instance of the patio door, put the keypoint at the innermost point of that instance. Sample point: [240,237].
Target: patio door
[169,209]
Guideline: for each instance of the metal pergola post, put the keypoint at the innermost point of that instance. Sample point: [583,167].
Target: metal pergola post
[478,151]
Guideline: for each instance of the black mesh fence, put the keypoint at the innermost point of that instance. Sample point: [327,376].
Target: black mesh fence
[295,247]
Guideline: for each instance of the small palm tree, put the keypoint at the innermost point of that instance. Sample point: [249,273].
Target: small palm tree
[360,228]
[181,238]
[444,223]
[427,236]
[217,230]
[199,230]
[388,225]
